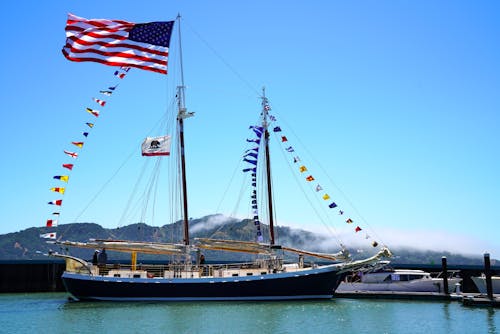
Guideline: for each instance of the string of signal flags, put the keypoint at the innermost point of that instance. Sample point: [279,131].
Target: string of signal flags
[75,151]
[251,157]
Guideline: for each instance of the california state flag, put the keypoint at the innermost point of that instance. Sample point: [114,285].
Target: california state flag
[153,146]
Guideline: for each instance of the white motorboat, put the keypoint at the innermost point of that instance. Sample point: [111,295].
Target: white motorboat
[382,277]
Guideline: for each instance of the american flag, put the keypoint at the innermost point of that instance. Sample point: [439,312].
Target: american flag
[118,43]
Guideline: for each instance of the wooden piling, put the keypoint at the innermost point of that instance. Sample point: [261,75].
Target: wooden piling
[445,275]
[487,273]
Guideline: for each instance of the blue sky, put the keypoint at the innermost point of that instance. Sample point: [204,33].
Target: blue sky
[393,104]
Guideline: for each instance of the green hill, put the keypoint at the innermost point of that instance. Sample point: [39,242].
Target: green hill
[27,244]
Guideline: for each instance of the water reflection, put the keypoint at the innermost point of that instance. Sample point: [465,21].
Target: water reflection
[492,329]
[53,312]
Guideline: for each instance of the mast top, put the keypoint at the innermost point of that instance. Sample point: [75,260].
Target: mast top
[265,108]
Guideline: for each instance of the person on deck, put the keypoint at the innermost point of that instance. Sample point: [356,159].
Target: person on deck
[103,257]
[94,258]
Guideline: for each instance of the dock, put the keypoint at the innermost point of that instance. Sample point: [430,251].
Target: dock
[398,295]
[467,299]
[480,300]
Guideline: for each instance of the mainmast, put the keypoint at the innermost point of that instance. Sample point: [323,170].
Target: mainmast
[182,113]
[265,110]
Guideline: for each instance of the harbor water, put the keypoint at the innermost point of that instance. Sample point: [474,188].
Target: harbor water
[54,313]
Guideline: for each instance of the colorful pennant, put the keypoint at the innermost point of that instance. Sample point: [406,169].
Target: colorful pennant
[74,155]
[310,178]
[102,103]
[58,190]
[51,223]
[93,112]
[64,178]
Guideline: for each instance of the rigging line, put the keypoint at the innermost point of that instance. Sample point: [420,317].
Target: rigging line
[238,199]
[104,186]
[238,75]
[153,181]
[243,189]
[172,191]
[335,234]
[132,211]
[155,193]
[134,191]
[146,195]
[235,170]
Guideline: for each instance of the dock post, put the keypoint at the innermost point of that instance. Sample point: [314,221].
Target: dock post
[487,273]
[445,275]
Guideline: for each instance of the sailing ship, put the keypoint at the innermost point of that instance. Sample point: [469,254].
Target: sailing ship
[187,277]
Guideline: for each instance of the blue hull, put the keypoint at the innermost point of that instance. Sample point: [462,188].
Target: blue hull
[318,283]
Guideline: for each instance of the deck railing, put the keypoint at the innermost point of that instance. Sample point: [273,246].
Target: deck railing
[158,270]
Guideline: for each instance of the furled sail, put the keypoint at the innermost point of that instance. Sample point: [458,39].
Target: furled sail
[233,246]
[129,246]
[343,255]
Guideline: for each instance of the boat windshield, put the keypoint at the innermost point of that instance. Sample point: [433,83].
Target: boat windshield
[400,277]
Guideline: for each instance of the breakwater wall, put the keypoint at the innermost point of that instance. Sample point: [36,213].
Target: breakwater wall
[45,275]
[31,276]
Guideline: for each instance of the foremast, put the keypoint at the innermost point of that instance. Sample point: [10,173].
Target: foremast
[265,111]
